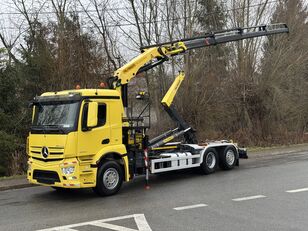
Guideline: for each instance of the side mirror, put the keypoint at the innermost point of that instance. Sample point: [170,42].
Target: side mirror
[92,114]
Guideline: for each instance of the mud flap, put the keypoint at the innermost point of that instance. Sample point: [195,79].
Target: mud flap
[242,153]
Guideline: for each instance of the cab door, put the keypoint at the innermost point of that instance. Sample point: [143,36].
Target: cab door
[91,140]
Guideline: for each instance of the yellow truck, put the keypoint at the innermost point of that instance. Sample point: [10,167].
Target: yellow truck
[85,138]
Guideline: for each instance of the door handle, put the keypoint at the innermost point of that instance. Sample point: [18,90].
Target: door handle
[105,141]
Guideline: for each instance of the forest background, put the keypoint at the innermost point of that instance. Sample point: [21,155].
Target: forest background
[254,92]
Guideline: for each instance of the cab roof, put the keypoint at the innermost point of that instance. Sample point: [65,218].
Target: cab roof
[85,92]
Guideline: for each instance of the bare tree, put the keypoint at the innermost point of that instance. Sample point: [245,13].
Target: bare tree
[245,60]
[99,20]
[284,76]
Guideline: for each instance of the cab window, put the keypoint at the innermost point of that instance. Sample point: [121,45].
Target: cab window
[101,116]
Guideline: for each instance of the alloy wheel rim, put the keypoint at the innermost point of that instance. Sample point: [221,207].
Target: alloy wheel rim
[111,178]
[230,157]
[210,160]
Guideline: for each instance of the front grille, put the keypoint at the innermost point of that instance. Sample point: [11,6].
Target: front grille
[53,151]
[47,160]
[46,177]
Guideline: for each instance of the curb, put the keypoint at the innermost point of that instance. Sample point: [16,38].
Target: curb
[17,186]
[18,183]
[276,151]
[14,182]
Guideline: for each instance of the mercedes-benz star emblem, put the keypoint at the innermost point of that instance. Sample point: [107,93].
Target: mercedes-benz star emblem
[45,152]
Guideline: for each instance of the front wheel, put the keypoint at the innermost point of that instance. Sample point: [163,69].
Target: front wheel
[109,179]
[210,160]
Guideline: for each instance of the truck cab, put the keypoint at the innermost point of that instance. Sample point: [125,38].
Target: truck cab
[72,133]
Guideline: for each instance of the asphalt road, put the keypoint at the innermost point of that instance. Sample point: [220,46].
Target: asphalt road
[264,193]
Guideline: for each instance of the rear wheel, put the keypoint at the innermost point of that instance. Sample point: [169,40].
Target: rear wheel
[210,160]
[228,158]
[109,179]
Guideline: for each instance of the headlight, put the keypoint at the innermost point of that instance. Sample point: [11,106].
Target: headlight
[68,170]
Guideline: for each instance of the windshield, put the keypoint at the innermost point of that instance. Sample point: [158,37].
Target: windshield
[55,116]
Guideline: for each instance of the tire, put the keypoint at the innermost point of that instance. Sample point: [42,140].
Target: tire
[228,158]
[109,179]
[210,160]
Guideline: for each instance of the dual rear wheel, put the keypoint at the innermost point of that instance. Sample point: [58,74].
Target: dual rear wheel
[225,159]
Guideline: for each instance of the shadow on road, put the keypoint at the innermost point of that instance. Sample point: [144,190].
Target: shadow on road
[130,189]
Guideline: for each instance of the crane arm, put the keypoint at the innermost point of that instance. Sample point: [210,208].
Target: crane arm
[144,61]
[169,96]
[154,55]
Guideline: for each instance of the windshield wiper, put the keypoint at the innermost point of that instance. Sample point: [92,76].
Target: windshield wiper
[47,127]
[37,128]
[54,127]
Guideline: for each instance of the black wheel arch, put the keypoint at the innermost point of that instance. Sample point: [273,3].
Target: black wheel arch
[115,157]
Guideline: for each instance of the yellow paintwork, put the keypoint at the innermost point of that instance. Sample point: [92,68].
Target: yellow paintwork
[168,139]
[175,49]
[169,96]
[129,70]
[81,149]
[164,148]
[85,92]
[84,149]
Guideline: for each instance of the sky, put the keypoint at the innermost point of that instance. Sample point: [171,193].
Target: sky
[13,25]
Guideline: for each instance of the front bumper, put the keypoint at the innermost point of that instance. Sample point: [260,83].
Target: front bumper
[50,174]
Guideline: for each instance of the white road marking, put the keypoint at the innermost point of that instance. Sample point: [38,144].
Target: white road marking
[190,207]
[111,226]
[67,229]
[248,198]
[297,190]
[140,220]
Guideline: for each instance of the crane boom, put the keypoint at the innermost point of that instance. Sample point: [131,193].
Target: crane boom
[154,55]
[229,35]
